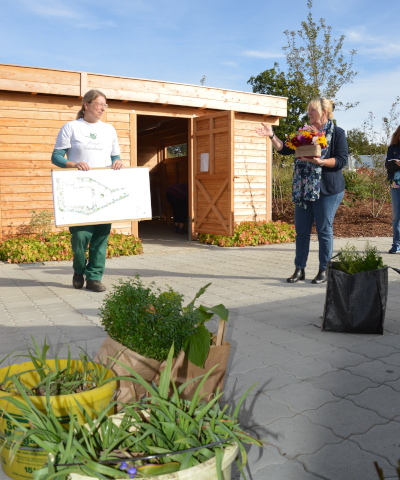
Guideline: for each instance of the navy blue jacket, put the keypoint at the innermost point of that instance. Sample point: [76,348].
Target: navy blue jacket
[332,181]
[391,167]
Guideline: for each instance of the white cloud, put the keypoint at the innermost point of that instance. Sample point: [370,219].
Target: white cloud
[376,93]
[367,44]
[258,54]
[51,9]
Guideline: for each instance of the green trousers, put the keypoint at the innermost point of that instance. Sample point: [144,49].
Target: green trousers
[95,237]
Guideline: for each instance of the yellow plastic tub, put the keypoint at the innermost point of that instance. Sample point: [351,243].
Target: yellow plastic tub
[29,457]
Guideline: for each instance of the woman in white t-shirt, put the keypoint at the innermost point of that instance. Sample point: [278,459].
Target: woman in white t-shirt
[87,143]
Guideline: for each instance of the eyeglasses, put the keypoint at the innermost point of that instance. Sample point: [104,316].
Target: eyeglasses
[100,104]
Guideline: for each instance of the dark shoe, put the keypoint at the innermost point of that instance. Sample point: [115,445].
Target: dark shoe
[395,248]
[78,280]
[95,286]
[321,277]
[299,274]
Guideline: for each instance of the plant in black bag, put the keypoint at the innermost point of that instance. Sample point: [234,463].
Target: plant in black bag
[351,261]
[356,292]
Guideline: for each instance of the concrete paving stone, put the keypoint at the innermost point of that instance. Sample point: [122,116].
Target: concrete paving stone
[296,436]
[289,470]
[395,385]
[344,418]
[376,370]
[274,355]
[308,346]
[271,465]
[306,368]
[382,440]
[301,396]
[342,383]
[383,400]
[267,411]
[75,334]
[373,349]
[268,378]
[345,461]
[393,359]
[341,358]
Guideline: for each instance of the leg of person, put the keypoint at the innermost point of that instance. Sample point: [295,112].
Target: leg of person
[324,210]
[395,193]
[97,257]
[303,221]
[80,239]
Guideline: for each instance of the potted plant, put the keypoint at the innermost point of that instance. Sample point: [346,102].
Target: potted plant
[144,322]
[163,436]
[68,385]
[356,291]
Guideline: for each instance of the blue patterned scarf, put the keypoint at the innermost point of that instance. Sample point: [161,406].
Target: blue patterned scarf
[307,176]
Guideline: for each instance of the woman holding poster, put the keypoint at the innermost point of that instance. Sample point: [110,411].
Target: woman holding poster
[87,143]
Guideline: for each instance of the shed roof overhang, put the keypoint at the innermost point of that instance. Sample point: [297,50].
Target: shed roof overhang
[36,80]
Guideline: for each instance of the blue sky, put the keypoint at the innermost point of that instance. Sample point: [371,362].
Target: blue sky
[184,40]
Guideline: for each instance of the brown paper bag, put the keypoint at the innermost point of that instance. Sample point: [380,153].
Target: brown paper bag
[183,370]
[146,367]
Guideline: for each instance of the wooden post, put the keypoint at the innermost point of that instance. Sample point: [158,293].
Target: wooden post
[133,158]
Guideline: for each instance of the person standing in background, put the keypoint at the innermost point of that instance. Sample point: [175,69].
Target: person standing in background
[392,165]
[317,189]
[87,143]
[177,196]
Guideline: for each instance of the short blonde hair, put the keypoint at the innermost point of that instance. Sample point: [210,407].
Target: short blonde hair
[89,97]
[321,104]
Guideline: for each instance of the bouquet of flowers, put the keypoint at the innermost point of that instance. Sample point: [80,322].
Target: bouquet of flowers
[307,135]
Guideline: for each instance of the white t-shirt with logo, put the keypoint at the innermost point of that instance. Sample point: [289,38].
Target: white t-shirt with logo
[92,143]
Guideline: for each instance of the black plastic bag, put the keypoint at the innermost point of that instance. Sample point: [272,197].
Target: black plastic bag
[355,303]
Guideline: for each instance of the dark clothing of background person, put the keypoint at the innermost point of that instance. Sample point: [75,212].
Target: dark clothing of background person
[177,196]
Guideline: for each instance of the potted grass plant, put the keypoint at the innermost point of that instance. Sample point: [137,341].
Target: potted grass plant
[68,385]
[162,436]
[143,323]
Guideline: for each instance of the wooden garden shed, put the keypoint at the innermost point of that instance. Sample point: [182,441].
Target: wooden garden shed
[225,163]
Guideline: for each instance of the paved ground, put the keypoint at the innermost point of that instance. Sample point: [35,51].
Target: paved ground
[328,403]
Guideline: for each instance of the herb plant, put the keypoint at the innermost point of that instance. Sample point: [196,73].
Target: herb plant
[160,434]
[351,261]
[149,321]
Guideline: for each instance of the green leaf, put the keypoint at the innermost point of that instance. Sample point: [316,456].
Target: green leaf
[197,346]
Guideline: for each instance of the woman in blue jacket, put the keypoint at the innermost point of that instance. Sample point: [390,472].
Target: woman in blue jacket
[318,187]
[392,165]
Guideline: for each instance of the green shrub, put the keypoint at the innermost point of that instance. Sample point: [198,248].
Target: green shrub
[253,233]
[146,320]
[57,246]
[352,261]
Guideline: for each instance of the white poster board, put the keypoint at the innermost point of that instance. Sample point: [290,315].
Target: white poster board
[100,195]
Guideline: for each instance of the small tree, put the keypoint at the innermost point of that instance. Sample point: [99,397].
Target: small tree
[315,67]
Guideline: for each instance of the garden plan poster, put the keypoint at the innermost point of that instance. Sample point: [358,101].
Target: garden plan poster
[100,195]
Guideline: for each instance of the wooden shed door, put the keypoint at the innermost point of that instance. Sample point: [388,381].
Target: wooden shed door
[213,173]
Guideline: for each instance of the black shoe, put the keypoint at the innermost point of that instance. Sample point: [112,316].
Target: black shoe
[299,274]
[321,277]
[78,280]
[95,286]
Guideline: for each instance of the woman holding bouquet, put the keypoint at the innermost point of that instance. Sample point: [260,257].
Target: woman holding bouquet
[318,187]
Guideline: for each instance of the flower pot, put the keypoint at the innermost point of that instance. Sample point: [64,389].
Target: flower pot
[203,471]
[29,457]
[308,151]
